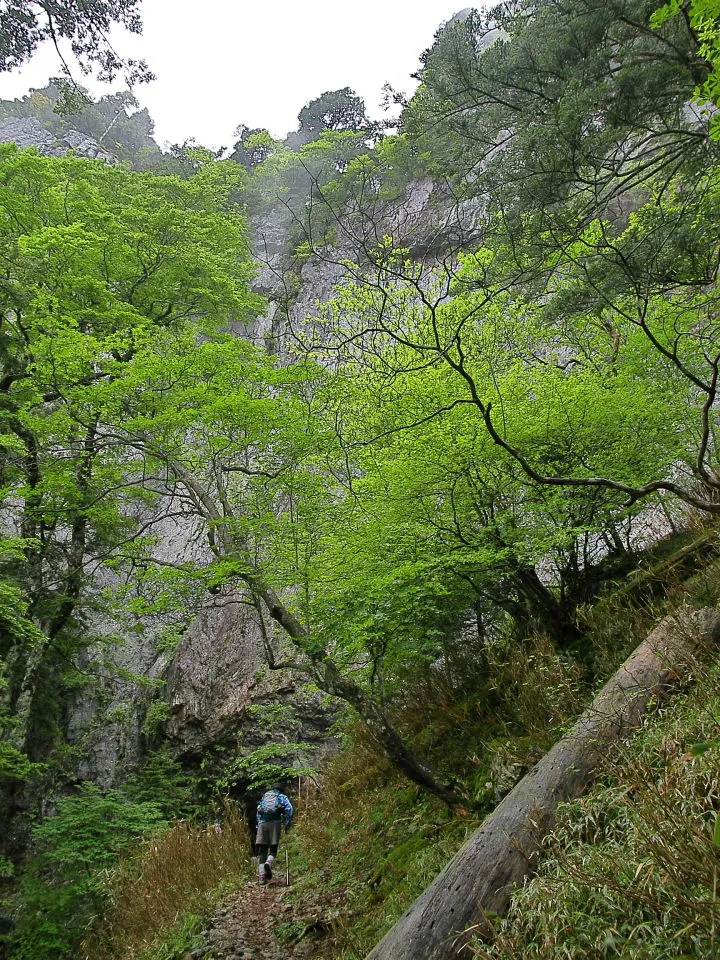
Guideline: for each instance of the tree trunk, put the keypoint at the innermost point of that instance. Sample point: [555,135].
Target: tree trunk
[544,610]
[480,879]
[330,679]
[322,668]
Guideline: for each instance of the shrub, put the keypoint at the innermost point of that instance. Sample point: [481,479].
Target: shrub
[172,877]
[62,887]
[162,780]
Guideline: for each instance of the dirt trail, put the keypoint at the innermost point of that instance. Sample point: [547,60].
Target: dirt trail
[245,927]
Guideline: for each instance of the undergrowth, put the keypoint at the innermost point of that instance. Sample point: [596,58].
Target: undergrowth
[370,843]
[158,894]
[631,870]
[62,886]
[363,853]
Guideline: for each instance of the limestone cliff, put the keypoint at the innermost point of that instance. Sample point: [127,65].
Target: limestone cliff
[29,132]
[214,681]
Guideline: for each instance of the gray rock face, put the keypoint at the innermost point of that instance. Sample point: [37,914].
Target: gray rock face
[29,132]
[217,684]
[106,720]
[26,132]
[211,679]
[426,220]
[218,676]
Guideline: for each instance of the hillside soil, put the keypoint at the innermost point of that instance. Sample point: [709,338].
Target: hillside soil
[259,923]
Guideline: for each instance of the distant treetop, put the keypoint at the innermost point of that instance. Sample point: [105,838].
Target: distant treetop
[333,110]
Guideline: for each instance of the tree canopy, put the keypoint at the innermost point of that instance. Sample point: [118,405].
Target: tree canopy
[86,25]
[332,110]
[98,263]
[471,427]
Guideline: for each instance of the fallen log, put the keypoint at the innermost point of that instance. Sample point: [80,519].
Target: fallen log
[478,882]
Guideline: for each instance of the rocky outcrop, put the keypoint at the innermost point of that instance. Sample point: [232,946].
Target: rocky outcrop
[218,677]
[29,132]
[104,720]
[206,684]
[427,219]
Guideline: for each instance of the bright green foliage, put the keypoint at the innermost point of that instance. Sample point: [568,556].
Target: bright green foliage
[220,402]
[162,781]
[62,887]
[604,367]
[98,264]
[433,514]
[265,429]
[703,16]
[265,765]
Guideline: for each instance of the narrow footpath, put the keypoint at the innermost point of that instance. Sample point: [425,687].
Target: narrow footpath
[257,923]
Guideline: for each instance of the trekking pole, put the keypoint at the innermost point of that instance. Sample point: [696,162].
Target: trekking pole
[287,870]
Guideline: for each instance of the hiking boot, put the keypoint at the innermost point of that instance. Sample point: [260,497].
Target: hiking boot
[262,874]
[268,871]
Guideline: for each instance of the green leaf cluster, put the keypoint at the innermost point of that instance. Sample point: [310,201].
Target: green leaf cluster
[62,887]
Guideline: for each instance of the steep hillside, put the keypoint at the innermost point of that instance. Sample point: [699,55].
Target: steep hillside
[366,843]
[391,442]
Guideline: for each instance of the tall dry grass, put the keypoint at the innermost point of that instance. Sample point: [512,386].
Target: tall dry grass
[183,870]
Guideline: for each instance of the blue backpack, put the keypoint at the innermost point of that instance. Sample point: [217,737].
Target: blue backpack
[270,807]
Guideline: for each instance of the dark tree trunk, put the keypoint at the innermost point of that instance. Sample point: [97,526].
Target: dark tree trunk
[480,879]
[331,680]
[534,606]
[546,611]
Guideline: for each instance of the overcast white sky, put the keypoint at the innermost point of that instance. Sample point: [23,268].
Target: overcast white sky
[224,62]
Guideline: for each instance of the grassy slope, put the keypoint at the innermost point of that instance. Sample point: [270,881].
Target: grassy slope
[630,869]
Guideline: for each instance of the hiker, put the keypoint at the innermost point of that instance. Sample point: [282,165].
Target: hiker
[273,810]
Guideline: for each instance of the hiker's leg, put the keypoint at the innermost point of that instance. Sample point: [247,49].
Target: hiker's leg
[262,849]
[273,839]
[262,842]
